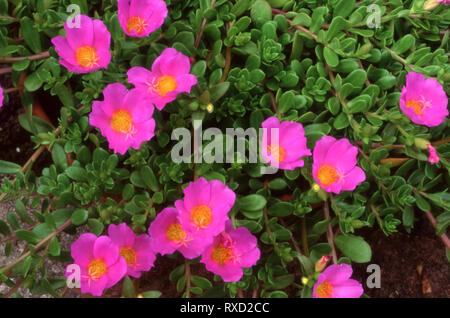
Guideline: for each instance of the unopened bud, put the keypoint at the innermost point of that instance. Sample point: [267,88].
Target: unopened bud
[421,143]
[321,263]
[316,187]
[430,5]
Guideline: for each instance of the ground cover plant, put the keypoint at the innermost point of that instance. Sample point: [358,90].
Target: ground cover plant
[242,146]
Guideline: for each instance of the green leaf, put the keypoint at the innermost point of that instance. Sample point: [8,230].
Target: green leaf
[80,216]
[31,35]
[201,282]
[252,203]
[22,212]
[27,236]
[354,247]
[261,12]
[54,248]
[277,294]
[281,209]
[151,294]
[59,157]
[7,167]
[128,288]
[330,57]
[287,101]
[77,173]
[218,90]
[95,226]
[33,82]
[149,178]
[240,7]
[404,44]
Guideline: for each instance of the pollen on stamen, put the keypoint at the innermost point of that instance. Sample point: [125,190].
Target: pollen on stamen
[137,24]
[87,57]
[201,216]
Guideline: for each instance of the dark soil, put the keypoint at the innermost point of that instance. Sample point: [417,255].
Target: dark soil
[16,145]
[399,257]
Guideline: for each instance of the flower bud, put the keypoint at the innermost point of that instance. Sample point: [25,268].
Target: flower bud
[430,5]
[321,263]
[433,158]
[421,143]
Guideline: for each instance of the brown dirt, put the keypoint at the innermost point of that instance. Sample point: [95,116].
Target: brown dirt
[16,145]
[399,257]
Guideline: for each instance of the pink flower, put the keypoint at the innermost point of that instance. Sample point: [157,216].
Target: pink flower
[334,165]
[136,250]
[168,236]
[205,208]
[124,118]
[335,282]
[285,152]
[168,78]
[230,252]
[446,2]
[424,101]
[100,264]
[85,49]
[433,158]
[138,18]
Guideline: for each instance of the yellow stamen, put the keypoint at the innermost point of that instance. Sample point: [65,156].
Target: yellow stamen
[97,268]
[201,216]
[87,56]
[277,152]
[129,254]
[418,106]
[327,175]
[137,24]
[122,122]
[165,84]
[221,254]
[324,290]
[175,233]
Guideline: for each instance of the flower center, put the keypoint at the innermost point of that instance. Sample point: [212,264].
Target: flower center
[221,254]
[165,84]
[324,290]
[277,152]
[129,254]
[175,234]
[97,268]
[201,216]
[327,175]
[87,56]
[137,24]
[122,122]
[417,106]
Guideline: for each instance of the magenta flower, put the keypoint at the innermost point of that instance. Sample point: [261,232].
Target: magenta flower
[433,158]
[100,264]
[446,2]
[230,252]
[205,208]
[285,152]
[138,18]
[424,101]
[334,165]
[136,250]
[85,49]
[335,282]
[168,236]
[168,78]
[124,118]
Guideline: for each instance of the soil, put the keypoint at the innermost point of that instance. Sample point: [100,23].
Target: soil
[16,145]
[401,256]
